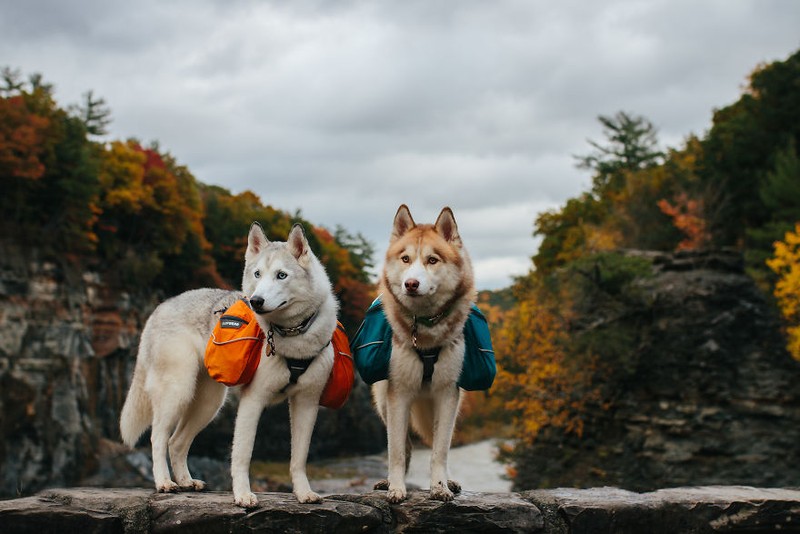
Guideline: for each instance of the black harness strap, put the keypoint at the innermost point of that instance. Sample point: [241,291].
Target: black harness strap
[428,357]
[296,368]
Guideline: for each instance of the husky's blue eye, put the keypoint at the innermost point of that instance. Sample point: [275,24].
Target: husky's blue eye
[433,261]
[281,275]
[257,274]
[405,259]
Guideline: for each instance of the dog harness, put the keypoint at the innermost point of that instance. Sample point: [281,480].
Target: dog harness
[430,356]
[296,369]
[296,366]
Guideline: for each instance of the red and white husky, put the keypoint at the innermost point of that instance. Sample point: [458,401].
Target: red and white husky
[427,288]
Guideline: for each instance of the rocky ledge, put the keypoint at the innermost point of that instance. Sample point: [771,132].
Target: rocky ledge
[598,510]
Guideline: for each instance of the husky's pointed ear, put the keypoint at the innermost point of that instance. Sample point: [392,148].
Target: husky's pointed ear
[297,242]
[256,240]
[446,226]
[403,222]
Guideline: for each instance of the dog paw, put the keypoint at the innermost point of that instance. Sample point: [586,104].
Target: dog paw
[167,487]
[440,492]
[381,485]
[454,486]
[307,497]
[192,485]
[396,495]
[246,500]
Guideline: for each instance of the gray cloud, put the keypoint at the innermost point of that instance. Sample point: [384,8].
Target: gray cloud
[477,105]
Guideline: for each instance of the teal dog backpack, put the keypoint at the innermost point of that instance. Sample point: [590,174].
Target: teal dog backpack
[372,349]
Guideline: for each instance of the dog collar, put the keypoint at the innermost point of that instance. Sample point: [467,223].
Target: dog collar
[433,320]
[292,331]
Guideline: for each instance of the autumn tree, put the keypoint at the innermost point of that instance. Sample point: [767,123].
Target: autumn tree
[21,139]
[688,216]
[786,265]
[570,338]
[227,220]
[151,218]
[49,169]
[535,376]
[604,218]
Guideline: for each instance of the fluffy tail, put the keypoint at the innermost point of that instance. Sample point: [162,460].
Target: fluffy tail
[137,413]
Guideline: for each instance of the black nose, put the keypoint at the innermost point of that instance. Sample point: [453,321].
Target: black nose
[257,303]
[412,285]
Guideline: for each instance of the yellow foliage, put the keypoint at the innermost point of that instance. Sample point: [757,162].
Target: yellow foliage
[786,264]
[602,238]
[122,178]
[534,373]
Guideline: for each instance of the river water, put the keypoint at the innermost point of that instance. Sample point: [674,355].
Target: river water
[472,465]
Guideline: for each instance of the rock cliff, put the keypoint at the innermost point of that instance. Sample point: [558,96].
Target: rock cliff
[712,396]
[66,341]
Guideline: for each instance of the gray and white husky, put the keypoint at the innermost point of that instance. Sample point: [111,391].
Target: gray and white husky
[171,390]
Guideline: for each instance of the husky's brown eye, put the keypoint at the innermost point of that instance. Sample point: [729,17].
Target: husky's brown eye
[405,259]
[433,261]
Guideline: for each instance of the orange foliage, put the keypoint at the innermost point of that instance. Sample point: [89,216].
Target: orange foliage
[141,183]
[21,139]
[688,216]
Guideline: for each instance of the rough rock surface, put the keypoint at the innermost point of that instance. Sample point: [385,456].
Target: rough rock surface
[65,354]
[713,396]
[687,510]
[690,510]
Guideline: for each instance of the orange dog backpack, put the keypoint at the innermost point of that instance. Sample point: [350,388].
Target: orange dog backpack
[234,350]
[340,383]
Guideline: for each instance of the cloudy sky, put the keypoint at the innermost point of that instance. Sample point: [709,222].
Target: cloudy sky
[346,109]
